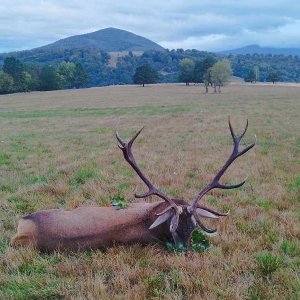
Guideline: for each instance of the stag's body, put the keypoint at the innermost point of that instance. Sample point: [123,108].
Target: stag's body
[90,227]
[96,227]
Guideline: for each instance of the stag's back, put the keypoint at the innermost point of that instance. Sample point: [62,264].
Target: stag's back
[87,227]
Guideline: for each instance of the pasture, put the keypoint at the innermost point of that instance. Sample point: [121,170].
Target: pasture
[58,150]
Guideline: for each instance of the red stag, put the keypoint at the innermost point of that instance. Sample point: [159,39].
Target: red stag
[96,227]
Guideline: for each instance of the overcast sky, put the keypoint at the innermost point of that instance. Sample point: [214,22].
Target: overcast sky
[203,25]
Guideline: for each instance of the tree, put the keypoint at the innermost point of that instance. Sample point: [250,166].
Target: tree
[49,79]
[14,68]
[272,76]
[256,71]
[250,77]
[201,68]
[6,83]
[207,80]
[66,70]
[26,82]
[253,75]
[186,71]
[80,76]
[34,70]
[144,74]
[220,74]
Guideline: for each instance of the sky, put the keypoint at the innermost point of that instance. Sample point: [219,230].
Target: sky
[202,25]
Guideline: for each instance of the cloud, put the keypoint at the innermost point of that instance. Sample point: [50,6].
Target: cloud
[203,25]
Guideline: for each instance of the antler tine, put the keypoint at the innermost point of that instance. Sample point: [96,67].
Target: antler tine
[248,147]
[204,228]
[212,211]
[122,143]
[127,153]
[246,127]
[234,155]
[134,137]
[232,186]
[234,136]
[230,127]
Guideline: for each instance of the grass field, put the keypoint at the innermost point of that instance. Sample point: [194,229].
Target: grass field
[58,150]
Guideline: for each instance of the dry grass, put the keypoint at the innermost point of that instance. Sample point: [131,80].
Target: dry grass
[58,150]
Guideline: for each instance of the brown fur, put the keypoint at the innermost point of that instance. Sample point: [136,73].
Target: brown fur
[90,227]
[26,234]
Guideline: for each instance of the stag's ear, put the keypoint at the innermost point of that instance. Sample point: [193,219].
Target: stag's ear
[161,219]
[206,214]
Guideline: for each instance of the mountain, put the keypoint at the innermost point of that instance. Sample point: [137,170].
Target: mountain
[108,39]
[256,49]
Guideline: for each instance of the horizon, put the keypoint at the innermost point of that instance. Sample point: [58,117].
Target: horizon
[206,26]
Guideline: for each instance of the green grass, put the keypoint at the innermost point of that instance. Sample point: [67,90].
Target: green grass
[5,159]
[21,204]
[58,150]
[267,263]
[30,289]
[265,204]
[295,185]
[83,175]
[290,248]
[94,112]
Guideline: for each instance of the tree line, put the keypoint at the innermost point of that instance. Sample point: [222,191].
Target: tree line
[253,75]
[208,71]
[19,77]
[39,69]
[285,68]
[167,64]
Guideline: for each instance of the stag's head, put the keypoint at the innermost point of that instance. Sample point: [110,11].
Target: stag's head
[181,216]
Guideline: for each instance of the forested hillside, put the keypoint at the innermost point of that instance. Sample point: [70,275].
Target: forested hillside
[287,67]
[96,63]
[108,39]
[166,63]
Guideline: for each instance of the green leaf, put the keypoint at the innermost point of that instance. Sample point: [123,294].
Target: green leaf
[119,202]
[179,248]
[200,241]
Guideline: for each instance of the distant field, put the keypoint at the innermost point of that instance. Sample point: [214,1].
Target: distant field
[58,150]
[115,55]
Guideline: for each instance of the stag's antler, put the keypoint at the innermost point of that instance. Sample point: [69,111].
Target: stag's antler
[194,208]
[172,211]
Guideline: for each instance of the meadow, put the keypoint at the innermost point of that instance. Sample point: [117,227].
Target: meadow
[58,150]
